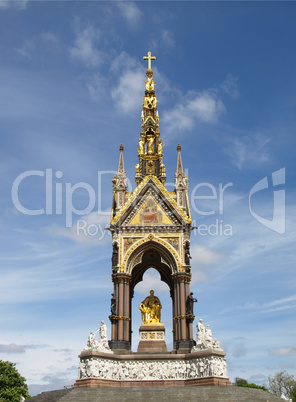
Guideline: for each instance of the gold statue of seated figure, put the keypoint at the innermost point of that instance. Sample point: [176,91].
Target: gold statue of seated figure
[150,309]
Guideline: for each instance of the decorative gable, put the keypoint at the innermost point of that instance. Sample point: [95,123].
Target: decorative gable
[149,205]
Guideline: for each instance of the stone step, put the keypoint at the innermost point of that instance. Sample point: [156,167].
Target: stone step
[149,394]
[50,396]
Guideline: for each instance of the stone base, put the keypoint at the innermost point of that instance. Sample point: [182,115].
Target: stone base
[183,346]
[198,368]
[100,383]
[152,339]
[152,394]
[120,347]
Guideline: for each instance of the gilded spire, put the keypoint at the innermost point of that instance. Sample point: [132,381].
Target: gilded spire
[150,147]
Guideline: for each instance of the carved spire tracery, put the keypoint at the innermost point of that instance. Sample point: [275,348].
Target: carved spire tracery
[181,181]
[150,147]
[119,183]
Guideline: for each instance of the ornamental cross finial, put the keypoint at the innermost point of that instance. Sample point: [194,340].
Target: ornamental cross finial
[149,58]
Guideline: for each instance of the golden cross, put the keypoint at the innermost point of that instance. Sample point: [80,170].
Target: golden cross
[149,58]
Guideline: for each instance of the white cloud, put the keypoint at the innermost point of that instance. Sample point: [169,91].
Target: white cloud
[230,86]
[130,12]
[123,61]
[150,281]
[13,348]
[89,230]
[203,258]
[84,47]
[128,93]
[206,256]
[285,351]
[205,107]
[248,151]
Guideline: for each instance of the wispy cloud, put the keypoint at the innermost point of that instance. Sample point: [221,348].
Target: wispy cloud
[205,107]
[13,348]
[84,47]
[168,38]
[97,86]
[284,351]
[152,281]
[21,4]
[130,12]
[203,258]
[49,37]
[89,230]
[239,350]
[248,151]
[230,86]
[128,92]
[286,303]
[27,49]
[43,271]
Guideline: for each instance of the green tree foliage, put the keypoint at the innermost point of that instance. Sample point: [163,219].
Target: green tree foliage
[282,382]
[240,382]
[293,394]
[12,384]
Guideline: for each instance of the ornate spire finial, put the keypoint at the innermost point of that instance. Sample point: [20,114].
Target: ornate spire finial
[178,147]
[149,58]
[150,147]
[121,148]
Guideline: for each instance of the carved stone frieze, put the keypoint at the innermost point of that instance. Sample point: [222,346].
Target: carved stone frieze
[138,370]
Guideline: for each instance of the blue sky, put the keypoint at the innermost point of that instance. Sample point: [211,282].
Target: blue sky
[71,79]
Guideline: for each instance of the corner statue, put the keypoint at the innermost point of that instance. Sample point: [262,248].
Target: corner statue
[150,309]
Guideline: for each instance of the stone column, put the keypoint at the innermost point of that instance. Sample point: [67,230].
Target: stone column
[184,338]
[183,311]
[120,339]
[127,312]
[175,314]
[120,311]
[113,322]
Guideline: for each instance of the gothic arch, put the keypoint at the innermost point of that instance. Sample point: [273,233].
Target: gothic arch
[166,251]
[151,254]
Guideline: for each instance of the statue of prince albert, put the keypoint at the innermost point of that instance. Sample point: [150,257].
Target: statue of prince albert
[151,309]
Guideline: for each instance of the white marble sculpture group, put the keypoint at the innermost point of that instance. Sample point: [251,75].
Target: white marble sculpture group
[161,369]
[102,344]
[204,338]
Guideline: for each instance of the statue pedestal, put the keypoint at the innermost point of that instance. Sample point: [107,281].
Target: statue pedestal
[152,339]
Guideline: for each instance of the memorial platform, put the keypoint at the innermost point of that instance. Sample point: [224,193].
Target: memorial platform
[140,394]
